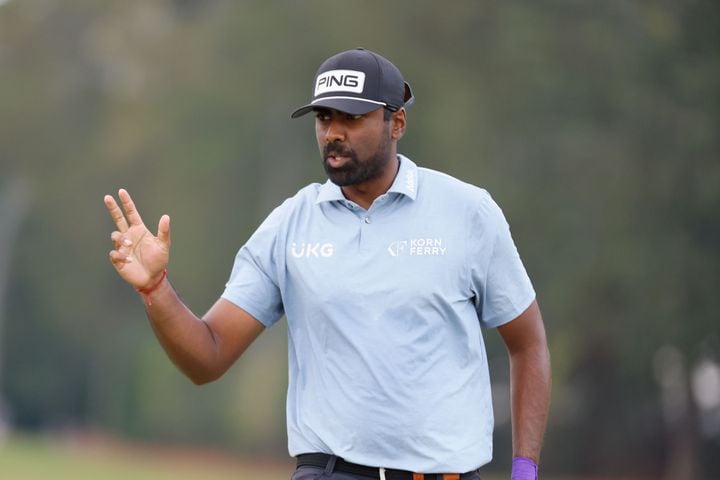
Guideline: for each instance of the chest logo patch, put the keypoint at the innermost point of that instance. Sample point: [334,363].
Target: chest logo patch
[309,250]
[418,247]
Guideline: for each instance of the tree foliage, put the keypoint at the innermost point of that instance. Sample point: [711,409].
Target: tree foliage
[594,125]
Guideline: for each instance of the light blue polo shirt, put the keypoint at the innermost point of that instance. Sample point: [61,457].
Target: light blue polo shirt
[387,365]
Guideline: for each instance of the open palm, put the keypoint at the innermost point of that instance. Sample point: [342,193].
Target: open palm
[139,257]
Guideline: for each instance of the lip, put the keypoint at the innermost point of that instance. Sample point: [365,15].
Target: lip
[336,161]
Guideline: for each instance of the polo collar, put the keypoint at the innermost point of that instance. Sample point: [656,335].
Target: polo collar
[406,180]
[405,183]
[329,192]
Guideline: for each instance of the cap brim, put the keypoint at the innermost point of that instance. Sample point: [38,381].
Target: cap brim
[353,106]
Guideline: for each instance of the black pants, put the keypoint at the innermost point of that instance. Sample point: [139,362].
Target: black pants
[329,473]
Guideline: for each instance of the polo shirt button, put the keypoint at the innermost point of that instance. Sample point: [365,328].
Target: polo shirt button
[367,219]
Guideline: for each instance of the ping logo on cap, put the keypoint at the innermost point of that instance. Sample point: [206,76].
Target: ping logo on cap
[340,81]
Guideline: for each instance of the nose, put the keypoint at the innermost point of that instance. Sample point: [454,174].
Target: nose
[335,131]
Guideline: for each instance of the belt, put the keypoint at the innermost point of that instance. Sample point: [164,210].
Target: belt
[321,460]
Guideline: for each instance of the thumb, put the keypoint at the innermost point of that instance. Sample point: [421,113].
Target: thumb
[164,230]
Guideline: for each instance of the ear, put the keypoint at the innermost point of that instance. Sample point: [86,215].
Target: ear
[399,123]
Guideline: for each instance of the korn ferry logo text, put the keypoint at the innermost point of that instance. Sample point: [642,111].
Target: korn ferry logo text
[308,250]
[417,247]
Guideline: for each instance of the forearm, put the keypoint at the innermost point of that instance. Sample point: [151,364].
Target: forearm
[203,349]
[188,341]
[530,381]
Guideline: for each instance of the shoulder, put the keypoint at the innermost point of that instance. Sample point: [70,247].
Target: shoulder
[458,199]
[304,199]
[440,186]
[306,196]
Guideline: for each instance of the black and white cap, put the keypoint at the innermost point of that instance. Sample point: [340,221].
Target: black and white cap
[358,82]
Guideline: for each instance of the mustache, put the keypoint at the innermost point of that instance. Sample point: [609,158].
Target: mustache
[336,149]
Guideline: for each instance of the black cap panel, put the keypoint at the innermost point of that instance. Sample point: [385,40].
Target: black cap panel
[357,82]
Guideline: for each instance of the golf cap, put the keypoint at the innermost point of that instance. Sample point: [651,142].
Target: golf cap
[357,82]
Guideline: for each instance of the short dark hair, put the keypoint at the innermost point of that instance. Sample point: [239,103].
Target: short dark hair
[387,114]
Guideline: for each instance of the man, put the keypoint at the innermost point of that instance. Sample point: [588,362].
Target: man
[386,274]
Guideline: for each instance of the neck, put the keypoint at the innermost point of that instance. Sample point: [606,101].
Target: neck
[364,194]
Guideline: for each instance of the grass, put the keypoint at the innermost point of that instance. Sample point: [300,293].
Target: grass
[96,457]
[35,458]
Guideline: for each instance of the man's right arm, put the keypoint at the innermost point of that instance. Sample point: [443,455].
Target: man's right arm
[203,349]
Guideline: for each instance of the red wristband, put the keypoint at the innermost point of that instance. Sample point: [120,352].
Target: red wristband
[147,291]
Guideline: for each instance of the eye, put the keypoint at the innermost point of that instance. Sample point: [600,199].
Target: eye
[353,117]
[322,115]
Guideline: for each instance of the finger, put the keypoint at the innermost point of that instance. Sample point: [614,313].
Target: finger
[115,213]
[133,216]
[116,238]
[120,240]
[164,230]
[119,260]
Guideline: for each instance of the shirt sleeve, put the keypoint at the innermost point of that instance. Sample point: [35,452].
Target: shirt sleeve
[502,286]
[253,284]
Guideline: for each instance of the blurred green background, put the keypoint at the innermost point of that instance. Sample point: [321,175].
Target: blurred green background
[595,125]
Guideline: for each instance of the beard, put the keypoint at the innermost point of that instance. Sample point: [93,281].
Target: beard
[356,171]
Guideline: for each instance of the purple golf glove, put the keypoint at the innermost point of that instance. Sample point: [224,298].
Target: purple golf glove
[524,469]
